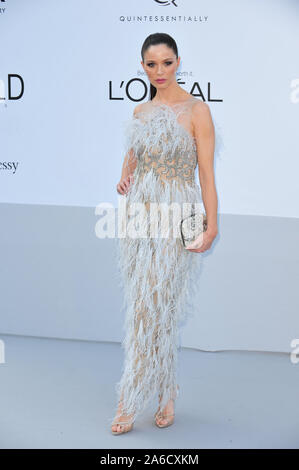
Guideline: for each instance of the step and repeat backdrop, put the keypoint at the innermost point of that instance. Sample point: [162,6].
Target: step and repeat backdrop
[70,76]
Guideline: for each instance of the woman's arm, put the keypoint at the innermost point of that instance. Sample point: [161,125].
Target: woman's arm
[128,167]
[204,133]
[129,164]
[130,160]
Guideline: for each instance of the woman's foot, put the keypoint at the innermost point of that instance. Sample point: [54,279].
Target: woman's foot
[165,417]
[122,423]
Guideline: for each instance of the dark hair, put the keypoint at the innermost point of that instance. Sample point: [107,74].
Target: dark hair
[153,40]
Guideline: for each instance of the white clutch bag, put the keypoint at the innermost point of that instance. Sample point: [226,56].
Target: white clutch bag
[192,226]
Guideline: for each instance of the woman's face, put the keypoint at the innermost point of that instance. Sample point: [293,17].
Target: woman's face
[160,62]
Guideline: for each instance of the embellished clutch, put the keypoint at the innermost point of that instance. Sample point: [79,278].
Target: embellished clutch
[192,226]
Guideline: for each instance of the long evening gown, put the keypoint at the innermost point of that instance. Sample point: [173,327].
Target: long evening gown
[158,275]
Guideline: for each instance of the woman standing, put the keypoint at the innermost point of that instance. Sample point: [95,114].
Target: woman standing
[166,138]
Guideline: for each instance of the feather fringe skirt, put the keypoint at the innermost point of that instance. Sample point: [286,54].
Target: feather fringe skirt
[159,279]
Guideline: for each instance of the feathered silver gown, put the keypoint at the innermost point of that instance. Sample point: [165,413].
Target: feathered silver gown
[158,275]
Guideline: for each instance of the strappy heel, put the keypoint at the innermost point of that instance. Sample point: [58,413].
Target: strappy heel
[130,422]
[160,415]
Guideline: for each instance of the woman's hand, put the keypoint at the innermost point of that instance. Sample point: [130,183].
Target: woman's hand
[125,184]
[203,242]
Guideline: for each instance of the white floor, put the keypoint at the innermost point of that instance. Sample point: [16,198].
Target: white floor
[60,394]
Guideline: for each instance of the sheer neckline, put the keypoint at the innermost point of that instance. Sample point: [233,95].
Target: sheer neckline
[178,103]
[192,137]
[155,108]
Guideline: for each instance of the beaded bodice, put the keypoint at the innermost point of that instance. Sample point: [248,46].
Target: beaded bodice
[161,141]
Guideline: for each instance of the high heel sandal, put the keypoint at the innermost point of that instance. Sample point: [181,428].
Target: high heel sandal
[129,423]
[160,415]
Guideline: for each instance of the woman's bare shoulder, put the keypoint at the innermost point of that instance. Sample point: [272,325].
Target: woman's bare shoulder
[199,106]
[140,108]
[201,117]
[200,112]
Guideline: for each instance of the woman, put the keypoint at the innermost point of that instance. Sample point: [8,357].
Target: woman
[166,138]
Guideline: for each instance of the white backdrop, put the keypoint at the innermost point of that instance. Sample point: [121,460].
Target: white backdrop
[76,61]
[75,70]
